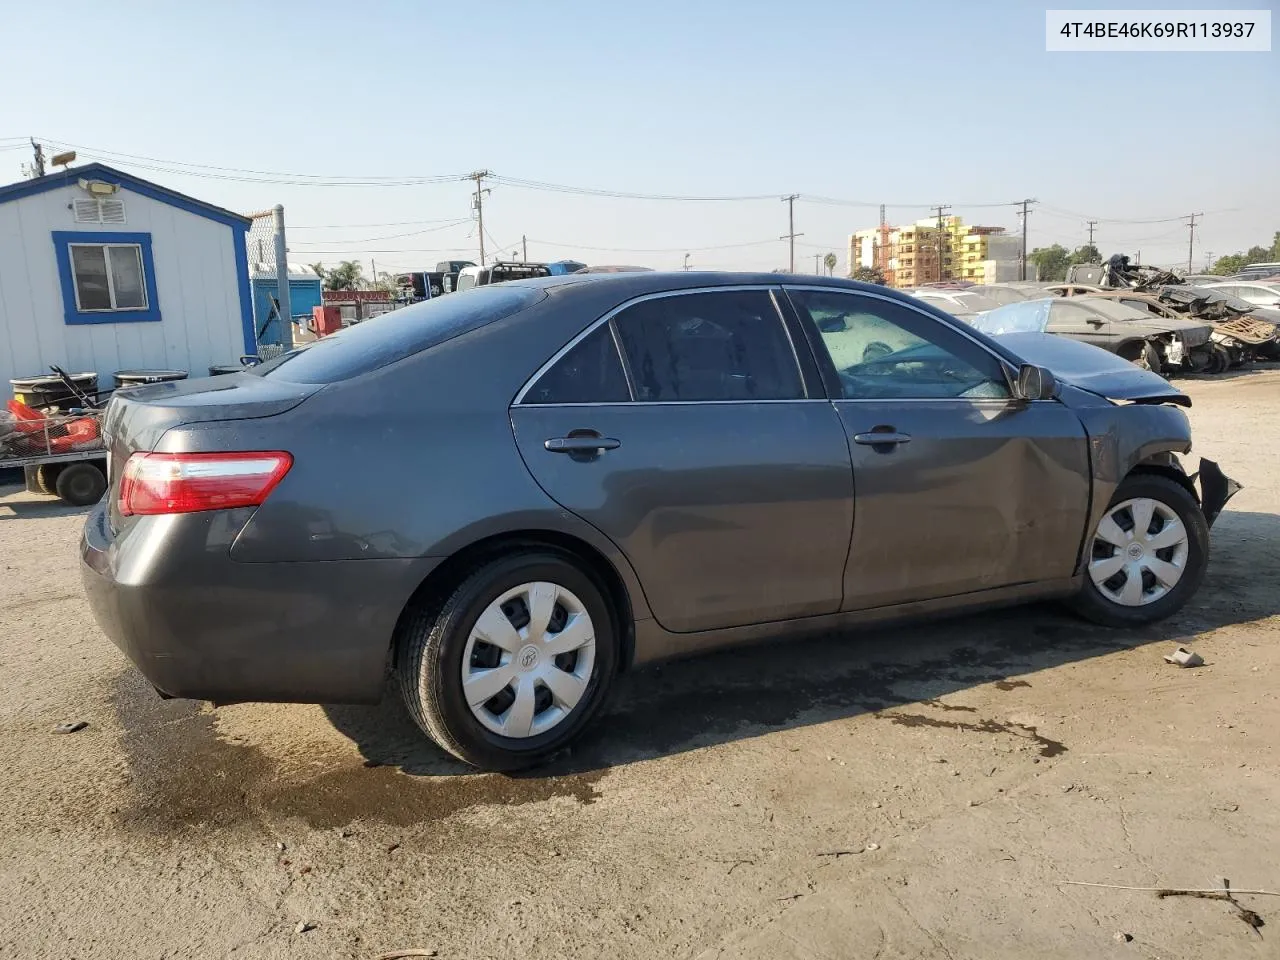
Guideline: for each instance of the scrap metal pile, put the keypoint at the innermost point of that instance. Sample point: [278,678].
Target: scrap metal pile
[1241,331]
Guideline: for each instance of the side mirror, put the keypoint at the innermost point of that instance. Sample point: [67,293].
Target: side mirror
[1035,383]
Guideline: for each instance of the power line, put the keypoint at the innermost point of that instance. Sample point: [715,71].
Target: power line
[620,194]
[391,236]
[585,246]
[346,226]
[195,168]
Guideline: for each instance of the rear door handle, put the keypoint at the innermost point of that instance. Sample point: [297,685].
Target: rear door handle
[581,444]
[875,439]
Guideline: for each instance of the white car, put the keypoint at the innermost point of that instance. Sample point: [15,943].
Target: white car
[961,303]
[1260,293]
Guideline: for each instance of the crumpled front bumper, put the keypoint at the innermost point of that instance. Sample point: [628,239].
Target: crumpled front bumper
[1216,488]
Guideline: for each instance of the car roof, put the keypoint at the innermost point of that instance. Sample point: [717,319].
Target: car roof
[639,284]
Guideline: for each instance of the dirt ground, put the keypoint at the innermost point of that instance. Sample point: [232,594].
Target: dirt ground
[897,793]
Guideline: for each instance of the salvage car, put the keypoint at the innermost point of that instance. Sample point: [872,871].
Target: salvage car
[1155,344]
[1225,348]
[1259,293]
[1002,293]
[502,498]
[958,303]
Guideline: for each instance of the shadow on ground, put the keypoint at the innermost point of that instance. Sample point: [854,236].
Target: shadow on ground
[185,774]
[31,506]
[744,692]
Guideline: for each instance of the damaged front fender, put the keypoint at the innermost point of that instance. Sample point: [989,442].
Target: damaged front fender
[1216,488]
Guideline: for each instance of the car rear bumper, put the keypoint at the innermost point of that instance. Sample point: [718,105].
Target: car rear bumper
[201,625]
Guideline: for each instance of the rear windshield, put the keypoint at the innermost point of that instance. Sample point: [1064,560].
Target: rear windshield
[393,336]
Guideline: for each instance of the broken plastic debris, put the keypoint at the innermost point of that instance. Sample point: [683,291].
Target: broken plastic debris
[1185,658]
[73,726]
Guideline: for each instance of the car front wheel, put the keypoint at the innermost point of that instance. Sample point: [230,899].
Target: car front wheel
[1147,556]
[513,663]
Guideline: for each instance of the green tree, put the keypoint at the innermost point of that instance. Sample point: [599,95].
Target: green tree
[830,261]
[1051,262]
[1275,248]
[1257,255]
[1085,254]
[348,275]
[869,275]
[1232,263]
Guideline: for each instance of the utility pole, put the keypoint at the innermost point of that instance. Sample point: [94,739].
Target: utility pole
[1208,260]
[477,201]
[1022,260]
[686,263]
[816,261]
[38,158]
[373,265]
[790,201]
[282,278]
[1191,239]
[938,209]
[1092,224]
[524,249]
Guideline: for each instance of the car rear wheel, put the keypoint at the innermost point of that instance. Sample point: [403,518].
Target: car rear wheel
[1147,556]
[511,666]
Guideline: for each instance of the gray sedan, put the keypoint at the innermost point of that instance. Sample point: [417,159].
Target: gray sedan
[502,498]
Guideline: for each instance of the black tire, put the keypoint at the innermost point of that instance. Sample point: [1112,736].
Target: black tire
[432,638]
[1093,605]
[1143,354]
[81,484]
[47,478]
[1221,359]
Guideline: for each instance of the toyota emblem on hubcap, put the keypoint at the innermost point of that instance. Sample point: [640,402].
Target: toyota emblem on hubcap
[528,658]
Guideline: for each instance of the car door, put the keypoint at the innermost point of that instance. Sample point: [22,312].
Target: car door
[684,427]
[958,487]
[1078,322]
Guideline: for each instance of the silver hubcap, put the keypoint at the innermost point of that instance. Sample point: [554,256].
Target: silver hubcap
[528,660]
[1139,552]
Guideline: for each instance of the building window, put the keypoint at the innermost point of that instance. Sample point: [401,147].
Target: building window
[106,277]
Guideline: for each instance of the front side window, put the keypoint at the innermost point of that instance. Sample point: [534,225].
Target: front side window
[885,350]
[723,345]
[108,277]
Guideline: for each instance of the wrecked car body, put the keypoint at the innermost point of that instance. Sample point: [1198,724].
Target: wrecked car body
[1147,430]
[1154,343]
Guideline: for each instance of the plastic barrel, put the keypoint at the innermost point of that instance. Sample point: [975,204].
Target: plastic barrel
[47,391]
[134,378]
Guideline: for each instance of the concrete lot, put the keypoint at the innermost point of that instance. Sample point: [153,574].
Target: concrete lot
[899,793]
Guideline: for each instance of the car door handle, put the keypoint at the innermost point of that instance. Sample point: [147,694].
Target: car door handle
[876,438]
[581,444]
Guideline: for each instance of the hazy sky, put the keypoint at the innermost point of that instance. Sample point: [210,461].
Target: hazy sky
[903,103]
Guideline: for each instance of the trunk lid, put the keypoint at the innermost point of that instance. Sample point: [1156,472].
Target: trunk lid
[137,418]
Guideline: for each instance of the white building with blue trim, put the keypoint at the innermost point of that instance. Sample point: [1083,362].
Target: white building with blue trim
[101,271]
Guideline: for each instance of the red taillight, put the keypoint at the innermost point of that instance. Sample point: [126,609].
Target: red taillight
[153,483]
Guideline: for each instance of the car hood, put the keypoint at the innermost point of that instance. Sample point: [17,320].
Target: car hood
[1093,369]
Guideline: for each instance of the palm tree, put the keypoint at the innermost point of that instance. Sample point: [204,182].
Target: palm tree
[830,262]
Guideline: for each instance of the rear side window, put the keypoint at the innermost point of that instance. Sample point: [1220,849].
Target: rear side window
[591,372]
[727,345]
[401,333]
